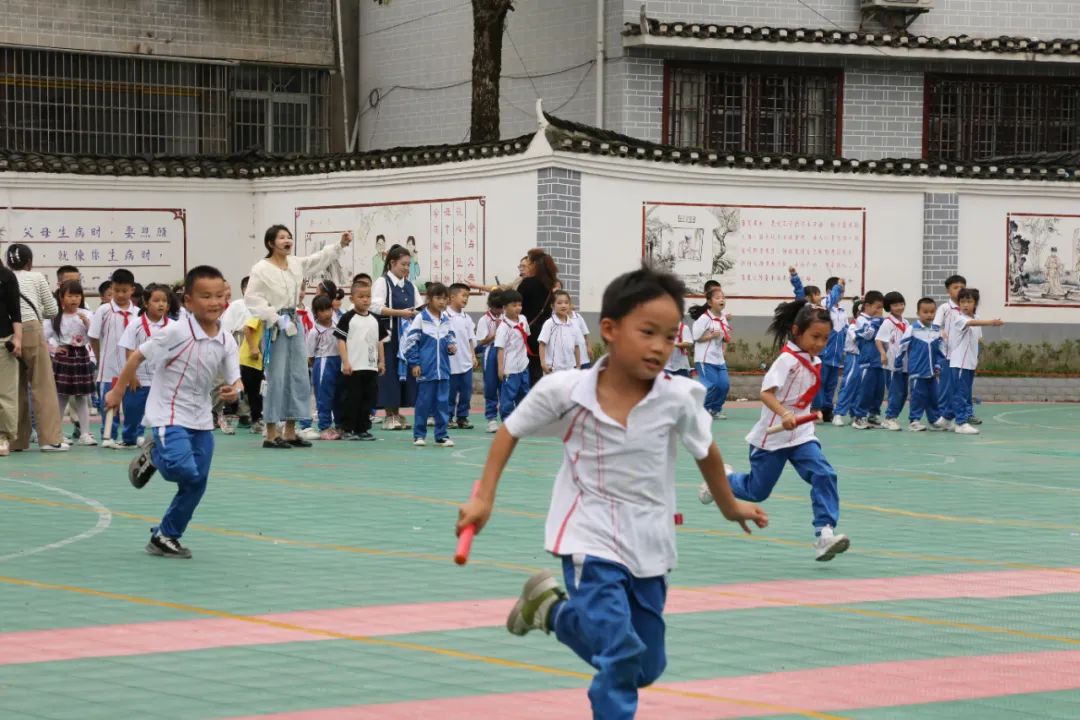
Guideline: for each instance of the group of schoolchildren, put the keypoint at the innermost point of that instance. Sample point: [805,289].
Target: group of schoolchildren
[928,362]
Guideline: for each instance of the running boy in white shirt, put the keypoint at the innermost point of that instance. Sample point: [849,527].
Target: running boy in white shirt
[888,340]
[512,344]
[611,516]
[463,362]
[965,336]
[106,328]
[187,357]
[789,387]
[560,338]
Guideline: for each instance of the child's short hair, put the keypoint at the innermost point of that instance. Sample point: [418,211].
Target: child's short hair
[892,298]
[360,285]
[321,303]
[511,296]
[70,287]
[925,301]
[457,287]
[495,300]
[831,283]
[561,293]
[197,273]
[64,270]
[873,297]
[104,287]
[969,294]
[361,277]
[123,276]
[811,290]
[436,289]
[709,285]
[632,289]
[797,314]
[328,288]
[954,279]
[244,283]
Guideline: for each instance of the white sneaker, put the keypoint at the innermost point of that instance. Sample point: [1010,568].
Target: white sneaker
[87,439]
[942,424]
[890,424]
[916,426]
[827,545]
[5,449]
[492,426]
[838,421]
[109,444]
[419,442]
[141,441]
[533,609]
[445,442]
[966,429]
[308,434]
[704,495]
[59,447]
[226,425]
[860,424]
[721,416]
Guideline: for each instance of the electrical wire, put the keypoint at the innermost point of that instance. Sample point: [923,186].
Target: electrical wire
[506,29]
[410,21]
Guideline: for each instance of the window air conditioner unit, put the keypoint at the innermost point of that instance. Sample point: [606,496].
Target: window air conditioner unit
[901,5]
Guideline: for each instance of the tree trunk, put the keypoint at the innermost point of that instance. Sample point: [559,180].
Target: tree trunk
[489,20]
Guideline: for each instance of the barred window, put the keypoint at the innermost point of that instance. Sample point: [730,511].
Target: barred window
[971,118]
[756,110]
[86,104]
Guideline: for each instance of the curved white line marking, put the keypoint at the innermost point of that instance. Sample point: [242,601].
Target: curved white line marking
[103,521]
[1001,419]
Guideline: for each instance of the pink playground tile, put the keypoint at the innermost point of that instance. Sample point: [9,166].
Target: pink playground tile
[198,634]
[821,690]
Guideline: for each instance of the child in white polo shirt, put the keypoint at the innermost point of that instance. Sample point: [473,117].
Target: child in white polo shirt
[512,346]
[107,326]
[611,517]
[187,357]
[560,337]
[965,334]
[463,362]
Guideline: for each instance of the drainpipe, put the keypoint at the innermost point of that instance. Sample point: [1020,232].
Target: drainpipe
[599,67]
[341,72]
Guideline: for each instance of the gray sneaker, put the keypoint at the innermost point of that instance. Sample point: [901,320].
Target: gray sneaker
[532,611]
[167,547]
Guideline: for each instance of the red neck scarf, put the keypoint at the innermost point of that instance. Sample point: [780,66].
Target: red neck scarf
[806,398]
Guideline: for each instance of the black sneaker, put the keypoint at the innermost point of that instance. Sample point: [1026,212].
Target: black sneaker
[464,424]
[826,415]
[299,442]
[365,436]
[167,547]
[76,433]
[349,435]
[278,443]
[141,469]
[974,421]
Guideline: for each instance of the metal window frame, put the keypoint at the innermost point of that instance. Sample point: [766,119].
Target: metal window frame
[834,76]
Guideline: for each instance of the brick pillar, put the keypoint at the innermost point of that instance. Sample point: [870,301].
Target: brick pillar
[558,222]
[941,229]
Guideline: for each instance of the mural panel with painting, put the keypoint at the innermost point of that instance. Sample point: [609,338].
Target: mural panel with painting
[1042,260]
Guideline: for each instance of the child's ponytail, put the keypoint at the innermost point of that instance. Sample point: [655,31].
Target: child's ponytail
[797,314]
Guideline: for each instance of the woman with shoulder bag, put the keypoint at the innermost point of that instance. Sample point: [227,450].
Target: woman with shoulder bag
[37,305]
[10,354]
[394,300]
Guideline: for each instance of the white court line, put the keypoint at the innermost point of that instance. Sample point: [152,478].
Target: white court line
[1001,419]
[103,521]
[993,481]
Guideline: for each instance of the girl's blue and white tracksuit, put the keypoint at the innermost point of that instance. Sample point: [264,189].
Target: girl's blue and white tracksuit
[871,373]
[709,360]
[427,346]
[849,384]
[922,350]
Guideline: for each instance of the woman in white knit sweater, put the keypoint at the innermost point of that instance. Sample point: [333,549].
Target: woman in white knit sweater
[35,370]
[272,295]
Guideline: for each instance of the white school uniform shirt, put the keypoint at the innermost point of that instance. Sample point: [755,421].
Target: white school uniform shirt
[511,337]
[107,327]
[486,325]
[792,380]
[321,342]
[235,317]
[891,333]
[614,495]
[361,336]
[680,359]
[710,352]
[72,330]
[560,339]
[136,334]
[943,318]
[465,338]
[187,364]
[964,342]
[583,328]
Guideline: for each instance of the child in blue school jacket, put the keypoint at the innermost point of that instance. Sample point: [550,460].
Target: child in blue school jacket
[427,347]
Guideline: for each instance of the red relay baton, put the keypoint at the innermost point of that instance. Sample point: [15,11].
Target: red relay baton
[801,420]
[464,542]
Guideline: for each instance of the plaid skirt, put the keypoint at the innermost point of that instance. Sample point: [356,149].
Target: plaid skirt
[72,371]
